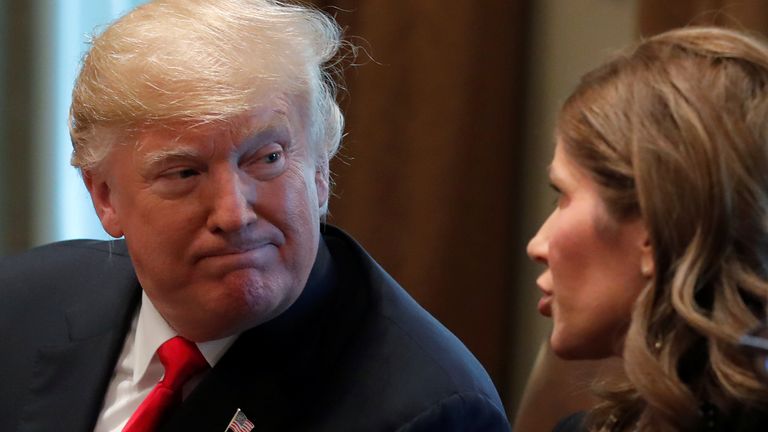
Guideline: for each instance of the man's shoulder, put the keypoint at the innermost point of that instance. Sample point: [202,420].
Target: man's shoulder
[394,315]
[68,252]
[54,272]
[84,246]
[54,298]
[400,353]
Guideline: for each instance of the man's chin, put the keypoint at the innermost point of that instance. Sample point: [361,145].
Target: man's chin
[219,330]
[254,305]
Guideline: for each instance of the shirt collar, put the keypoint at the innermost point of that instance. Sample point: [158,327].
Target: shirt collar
[152,331]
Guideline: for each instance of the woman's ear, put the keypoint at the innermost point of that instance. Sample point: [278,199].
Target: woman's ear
[647,265]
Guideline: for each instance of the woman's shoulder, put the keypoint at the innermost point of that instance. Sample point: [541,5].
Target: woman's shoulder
[748,420]
[572,423]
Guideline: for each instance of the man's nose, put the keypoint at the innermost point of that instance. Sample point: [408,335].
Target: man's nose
[232,199]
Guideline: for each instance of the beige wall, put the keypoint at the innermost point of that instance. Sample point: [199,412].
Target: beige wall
[567,38]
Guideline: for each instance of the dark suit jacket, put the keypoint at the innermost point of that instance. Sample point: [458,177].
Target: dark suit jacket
[354,353]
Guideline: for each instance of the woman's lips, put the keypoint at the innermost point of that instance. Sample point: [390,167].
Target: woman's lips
[545,305]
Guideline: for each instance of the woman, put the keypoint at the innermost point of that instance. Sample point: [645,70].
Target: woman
[657,251]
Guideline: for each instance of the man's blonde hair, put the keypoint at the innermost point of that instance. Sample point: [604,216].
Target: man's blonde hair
[200,62]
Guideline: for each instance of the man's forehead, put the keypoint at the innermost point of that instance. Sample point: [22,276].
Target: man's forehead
[240,127]
[277,117]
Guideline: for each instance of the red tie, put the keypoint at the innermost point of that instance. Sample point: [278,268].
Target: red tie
[181,360]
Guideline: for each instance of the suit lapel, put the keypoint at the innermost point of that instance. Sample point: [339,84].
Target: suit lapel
[70,379]
[69,385]
[263,374]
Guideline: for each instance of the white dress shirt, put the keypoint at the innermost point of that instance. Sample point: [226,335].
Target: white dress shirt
[138,369]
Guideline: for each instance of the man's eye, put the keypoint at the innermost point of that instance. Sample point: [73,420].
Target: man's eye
[187,173]
[273,157]
[266,163]
[183,173]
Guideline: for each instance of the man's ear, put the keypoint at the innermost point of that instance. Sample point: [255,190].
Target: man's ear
[322,181]
[647,265]
[102,197]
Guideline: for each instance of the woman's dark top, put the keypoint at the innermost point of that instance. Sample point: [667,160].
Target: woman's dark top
[572,423]
[747,421]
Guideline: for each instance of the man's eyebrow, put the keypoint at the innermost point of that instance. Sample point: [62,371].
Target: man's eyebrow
[251,135]
[272,131]
[159,156]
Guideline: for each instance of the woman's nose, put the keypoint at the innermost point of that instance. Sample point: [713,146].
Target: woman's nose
[538,245]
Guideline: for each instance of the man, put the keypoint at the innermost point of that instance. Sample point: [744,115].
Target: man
[203,130]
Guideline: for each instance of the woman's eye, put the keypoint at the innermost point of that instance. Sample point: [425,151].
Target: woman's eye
[558,194]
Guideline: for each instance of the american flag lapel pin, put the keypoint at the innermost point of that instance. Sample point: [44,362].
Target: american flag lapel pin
[239,423]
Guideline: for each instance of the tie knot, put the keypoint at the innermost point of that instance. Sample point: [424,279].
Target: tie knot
[181,360]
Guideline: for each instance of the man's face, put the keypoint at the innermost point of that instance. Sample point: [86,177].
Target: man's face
[222,223]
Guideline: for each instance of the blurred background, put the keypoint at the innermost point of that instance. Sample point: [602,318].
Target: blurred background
[442,175]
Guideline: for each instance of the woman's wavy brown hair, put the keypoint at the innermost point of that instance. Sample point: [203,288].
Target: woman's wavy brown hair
[675,132]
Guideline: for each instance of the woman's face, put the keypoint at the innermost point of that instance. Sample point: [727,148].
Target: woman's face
[593,266]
